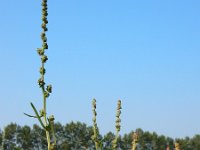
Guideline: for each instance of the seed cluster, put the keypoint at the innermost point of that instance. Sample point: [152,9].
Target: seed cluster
[117,126]
[41,51]
[118,120]
[95,137]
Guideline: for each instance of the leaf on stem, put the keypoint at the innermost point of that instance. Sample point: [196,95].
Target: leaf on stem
[30,115]
[37,115]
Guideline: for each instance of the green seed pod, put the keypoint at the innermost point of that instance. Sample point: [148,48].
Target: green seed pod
[94,103]
[44,58]
[45,29]
[49,88]
[43,34]
[46,94]
[43,25]
[45,45]
[44,4]
[51,118]
[44,13]
[42,112]
[118,113]
[42,70]
[118,127]
[44,39]
[40,51]
[44,9]
[94,119]
[44,18]
[118,120]
[94,112]
[41,82]
[46,21]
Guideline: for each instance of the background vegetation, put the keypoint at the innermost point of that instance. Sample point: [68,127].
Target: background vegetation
[78,135]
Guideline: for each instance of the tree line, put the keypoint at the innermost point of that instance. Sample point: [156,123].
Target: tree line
[77,136]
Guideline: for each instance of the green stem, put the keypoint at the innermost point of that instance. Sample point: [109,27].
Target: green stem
[45,113]
[45,117]
[97,145]
[53,132]
[115,140]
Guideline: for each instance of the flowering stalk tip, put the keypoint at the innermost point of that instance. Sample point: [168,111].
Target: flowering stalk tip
[117,124]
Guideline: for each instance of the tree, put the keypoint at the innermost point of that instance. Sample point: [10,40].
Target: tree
[78,135]
[38,136]
[60,134]
[9,137]
[108,138]
[147,141]
[24,139]
[127,141]
[161,143]
[1,134]
[170,142]
[195,141]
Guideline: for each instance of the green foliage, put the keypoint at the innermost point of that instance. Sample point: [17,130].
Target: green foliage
[9,137]
[24,138]
[77,135]
[127,141]
[38,137]
[108,139]
[1,135]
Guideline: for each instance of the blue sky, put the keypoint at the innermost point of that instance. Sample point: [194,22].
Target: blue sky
[146,53]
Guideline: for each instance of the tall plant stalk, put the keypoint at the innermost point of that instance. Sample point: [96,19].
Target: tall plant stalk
[95,136]
[46,122]
[117,125]
[177,146]
[135,141]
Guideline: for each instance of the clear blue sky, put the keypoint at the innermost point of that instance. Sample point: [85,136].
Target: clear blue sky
[146,53]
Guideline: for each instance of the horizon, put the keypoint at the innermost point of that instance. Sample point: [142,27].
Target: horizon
[143,53]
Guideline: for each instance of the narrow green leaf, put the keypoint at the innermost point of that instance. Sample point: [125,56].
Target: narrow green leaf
[30,115]
[37,115]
